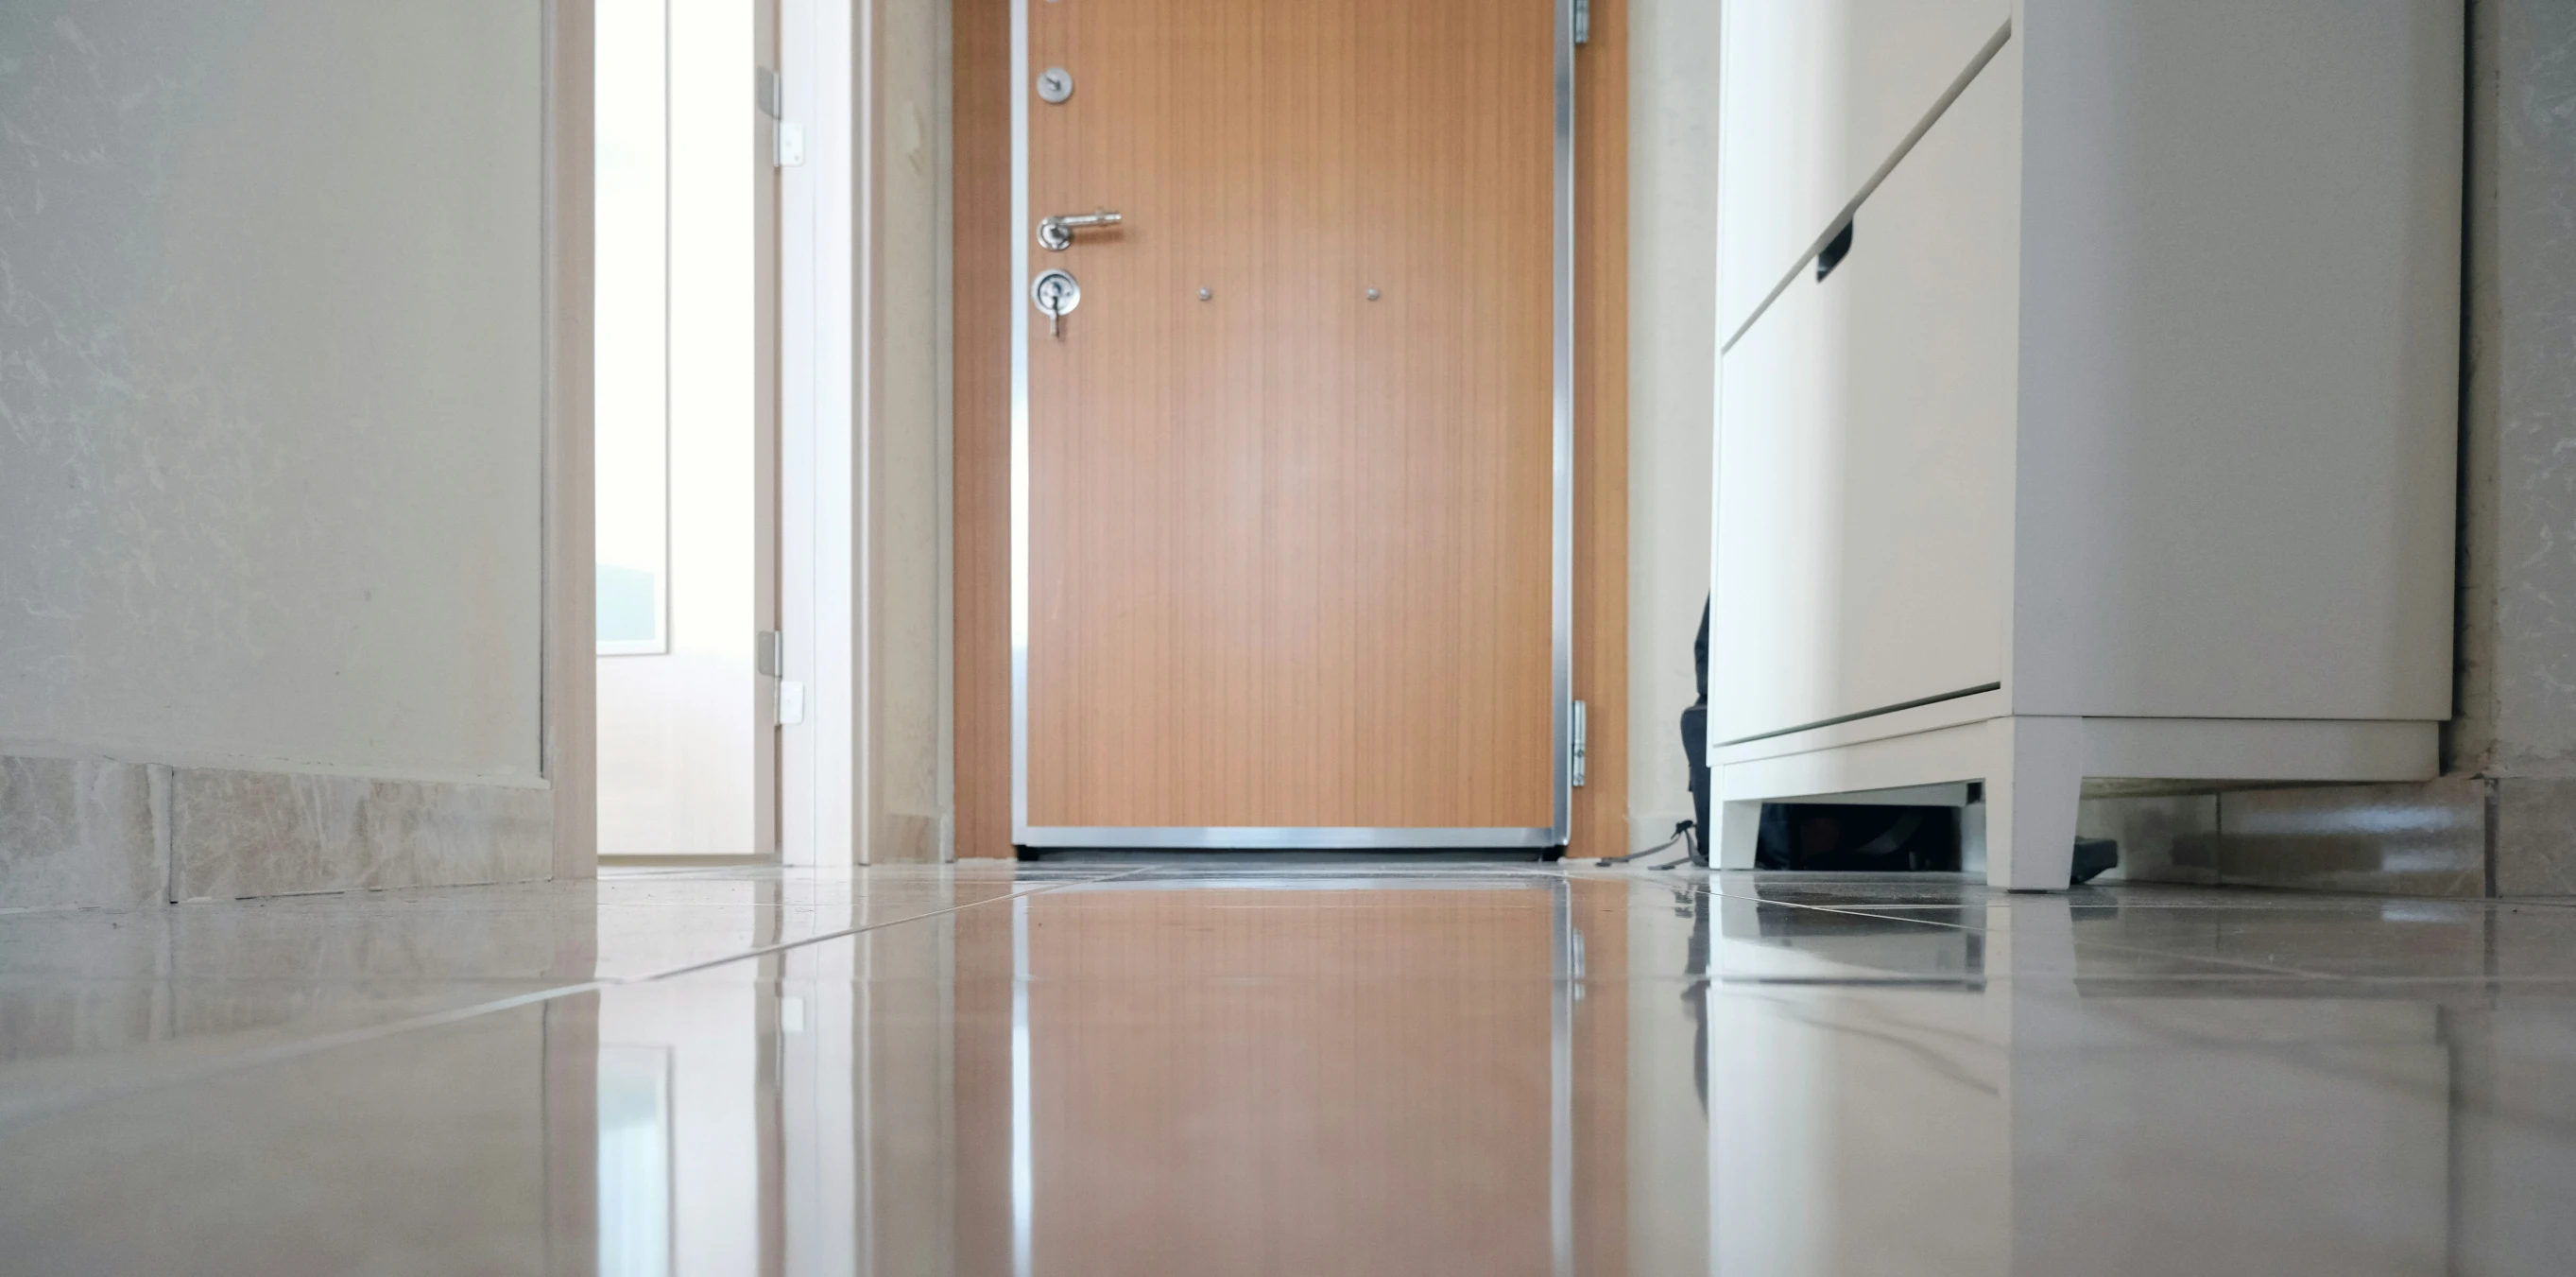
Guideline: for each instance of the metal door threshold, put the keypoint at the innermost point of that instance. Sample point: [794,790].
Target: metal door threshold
[1287,838]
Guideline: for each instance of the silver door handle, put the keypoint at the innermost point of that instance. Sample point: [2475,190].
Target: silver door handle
[1055,234]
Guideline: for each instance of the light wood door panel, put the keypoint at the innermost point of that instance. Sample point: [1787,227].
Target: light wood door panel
[1290,547]
[1864,492]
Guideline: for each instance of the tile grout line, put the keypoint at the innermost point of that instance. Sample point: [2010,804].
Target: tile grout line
[436,1019]
[784,945]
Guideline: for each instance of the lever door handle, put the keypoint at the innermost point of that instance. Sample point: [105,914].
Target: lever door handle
[1055,234]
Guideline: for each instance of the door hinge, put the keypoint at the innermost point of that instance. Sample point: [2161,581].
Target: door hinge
[786,141]
[1583,21]
[1578,744]
[786,695]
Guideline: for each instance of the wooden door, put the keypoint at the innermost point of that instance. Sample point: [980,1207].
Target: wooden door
[1291,563]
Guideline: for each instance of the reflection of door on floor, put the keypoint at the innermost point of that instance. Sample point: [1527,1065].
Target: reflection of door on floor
[1391,1108]
[684,489]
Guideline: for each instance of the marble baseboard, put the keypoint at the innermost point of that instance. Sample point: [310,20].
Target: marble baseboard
[235,834]
[2511,836]
[2421,839]
[2162,837]
[79,832]
[2427,838]
[2535,836]
[905,838]
[88,833]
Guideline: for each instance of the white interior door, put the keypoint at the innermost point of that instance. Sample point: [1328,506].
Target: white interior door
[686,412]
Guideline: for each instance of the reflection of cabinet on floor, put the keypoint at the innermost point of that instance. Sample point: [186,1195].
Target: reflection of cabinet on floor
[2087,401]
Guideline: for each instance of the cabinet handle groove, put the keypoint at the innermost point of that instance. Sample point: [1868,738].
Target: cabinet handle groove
[1835,250]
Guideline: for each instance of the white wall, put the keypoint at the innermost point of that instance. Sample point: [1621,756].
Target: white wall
[271,358]
[904,432]
[865,549]
[1672,348]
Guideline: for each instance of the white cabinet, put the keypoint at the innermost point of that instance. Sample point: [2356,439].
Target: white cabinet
[1819,95]
[2117,441]
[1864,493]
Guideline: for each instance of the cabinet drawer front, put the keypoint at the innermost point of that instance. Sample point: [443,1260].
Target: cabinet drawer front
[1817,95]
[1864,448]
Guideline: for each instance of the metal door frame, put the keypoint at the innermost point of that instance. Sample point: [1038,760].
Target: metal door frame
[1561,604]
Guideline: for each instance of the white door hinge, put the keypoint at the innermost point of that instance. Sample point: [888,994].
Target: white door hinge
[1583,21]
[786,141]
[787,695]
[1577,745]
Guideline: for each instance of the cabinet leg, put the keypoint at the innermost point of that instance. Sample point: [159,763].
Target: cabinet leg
[2032,787]
[1739,828]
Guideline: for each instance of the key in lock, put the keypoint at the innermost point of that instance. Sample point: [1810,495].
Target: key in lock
[1055,293]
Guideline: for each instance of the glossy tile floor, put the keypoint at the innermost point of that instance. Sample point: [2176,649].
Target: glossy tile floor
[1289,1068]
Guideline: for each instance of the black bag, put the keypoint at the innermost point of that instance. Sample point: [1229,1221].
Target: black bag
[1816,836]
[1695,744]
[1857,837]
